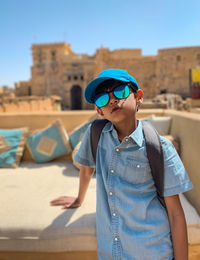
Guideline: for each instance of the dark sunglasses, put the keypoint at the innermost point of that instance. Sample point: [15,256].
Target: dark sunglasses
[120,92]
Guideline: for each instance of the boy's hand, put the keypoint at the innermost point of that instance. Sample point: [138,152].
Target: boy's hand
[66,202]
[71,202]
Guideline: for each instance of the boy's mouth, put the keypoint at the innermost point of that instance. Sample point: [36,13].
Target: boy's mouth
[115,109]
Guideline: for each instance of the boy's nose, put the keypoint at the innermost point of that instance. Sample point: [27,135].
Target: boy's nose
[113,99]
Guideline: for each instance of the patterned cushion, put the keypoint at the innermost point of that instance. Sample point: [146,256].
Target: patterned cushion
[12,143]
[49,143]
[75,163]
[77,134]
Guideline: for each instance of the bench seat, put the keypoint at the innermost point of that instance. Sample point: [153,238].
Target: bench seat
[29,224]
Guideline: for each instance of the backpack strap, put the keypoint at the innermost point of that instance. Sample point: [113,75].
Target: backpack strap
[95,133]
[155,157]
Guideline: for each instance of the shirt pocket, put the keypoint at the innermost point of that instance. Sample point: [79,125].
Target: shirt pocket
[137,172]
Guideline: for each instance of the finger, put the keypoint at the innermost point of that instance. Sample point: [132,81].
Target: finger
[68,206]
[52,201]
[60,198]
[55,200]
[63,200]
[58,203]
[71,206]
[65,207]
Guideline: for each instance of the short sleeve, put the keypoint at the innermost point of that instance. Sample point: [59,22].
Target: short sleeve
[176,178]
[84,154]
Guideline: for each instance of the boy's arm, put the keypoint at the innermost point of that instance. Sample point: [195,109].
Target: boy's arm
[86,174]
[178,227]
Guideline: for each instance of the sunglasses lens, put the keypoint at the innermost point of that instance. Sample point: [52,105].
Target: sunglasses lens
[102,99]
[121,92]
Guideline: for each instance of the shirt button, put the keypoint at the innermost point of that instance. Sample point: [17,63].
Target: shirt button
[117,149]
[110,193]
[112,171]
[138,166]
[116,239]
[114,214]
[126,139]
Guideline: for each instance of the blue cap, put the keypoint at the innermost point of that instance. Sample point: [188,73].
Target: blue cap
[117,74]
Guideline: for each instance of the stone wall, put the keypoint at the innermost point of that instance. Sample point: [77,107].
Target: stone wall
[23,88]
[173,67]
[30,104]
[57,70]
[143,69]
[185,126]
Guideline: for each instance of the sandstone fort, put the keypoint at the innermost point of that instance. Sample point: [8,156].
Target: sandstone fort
[57,70]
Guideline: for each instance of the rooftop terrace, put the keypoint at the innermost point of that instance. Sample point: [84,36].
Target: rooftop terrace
[31,229]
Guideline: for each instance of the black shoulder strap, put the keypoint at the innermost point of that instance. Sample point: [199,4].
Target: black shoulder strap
[95,133]
[155,157]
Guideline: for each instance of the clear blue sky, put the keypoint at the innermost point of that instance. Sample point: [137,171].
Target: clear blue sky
[89,24]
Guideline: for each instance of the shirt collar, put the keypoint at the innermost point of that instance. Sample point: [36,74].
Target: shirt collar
[136,135]
[108,127]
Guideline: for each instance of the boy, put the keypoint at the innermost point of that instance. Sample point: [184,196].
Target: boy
[131,223]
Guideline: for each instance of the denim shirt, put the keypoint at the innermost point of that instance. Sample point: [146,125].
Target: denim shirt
[130,221]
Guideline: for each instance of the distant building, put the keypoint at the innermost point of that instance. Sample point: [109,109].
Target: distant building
[6,91]
[57,70]
[29,104]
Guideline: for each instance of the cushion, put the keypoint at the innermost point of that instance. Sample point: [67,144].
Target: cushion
[12,143]
[75,163]
[162,124]
[77,134]
[49,143]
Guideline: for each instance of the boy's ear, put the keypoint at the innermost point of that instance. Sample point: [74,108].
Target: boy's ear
[99,111]
[139,97]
